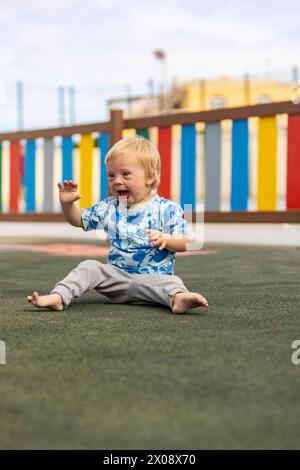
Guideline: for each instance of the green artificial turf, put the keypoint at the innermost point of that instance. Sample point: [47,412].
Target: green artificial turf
[103,376]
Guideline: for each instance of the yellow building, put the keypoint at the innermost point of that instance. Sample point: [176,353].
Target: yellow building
[207,94]
[227,92]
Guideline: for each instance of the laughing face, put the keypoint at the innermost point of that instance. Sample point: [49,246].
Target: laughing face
[127,180]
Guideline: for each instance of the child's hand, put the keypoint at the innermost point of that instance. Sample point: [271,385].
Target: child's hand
[68,192]
[156,238]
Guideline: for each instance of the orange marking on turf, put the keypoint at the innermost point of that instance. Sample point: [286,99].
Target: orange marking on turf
[59,249]
[73,249]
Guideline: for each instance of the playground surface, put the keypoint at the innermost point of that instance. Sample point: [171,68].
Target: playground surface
[103,376]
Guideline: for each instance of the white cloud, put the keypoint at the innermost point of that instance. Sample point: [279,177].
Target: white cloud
[106,40]
[110,44]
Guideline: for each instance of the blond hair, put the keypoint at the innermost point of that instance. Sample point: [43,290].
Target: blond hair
[147,155]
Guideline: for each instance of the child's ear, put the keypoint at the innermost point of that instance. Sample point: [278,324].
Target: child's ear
[150,180]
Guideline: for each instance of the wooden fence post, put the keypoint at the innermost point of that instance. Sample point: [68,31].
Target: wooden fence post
[116,126]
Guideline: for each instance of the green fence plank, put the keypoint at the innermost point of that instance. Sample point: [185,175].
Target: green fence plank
[143,133]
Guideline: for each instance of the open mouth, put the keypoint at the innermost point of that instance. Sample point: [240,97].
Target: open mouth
[123,194]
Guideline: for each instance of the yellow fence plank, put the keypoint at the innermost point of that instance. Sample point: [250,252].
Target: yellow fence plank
[86,147]
[267,164]
[128,133]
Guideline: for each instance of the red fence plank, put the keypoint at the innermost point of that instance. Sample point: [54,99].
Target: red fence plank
[293,163]
[15,176]
[164,148]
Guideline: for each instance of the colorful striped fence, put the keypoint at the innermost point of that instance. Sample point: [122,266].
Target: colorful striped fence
[23,158]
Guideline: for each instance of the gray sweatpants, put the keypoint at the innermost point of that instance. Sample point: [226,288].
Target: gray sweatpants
[118,285]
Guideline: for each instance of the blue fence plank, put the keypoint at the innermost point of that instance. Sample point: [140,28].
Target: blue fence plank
[103,143]
[188,166]
[67,158]
[240,172]
[48,175]
[29,176]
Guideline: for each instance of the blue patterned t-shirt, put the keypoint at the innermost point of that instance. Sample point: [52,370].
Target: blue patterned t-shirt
[125,228]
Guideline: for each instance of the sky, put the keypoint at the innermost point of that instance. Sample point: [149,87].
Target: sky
[103,47]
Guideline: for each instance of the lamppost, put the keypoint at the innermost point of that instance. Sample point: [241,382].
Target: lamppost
[161,55]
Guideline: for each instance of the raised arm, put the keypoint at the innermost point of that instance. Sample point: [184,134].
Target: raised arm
[68,196]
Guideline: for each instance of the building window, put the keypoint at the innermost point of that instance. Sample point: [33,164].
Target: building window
[217,102]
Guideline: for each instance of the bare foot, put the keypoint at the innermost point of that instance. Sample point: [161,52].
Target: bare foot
[184,301]
[52,301]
